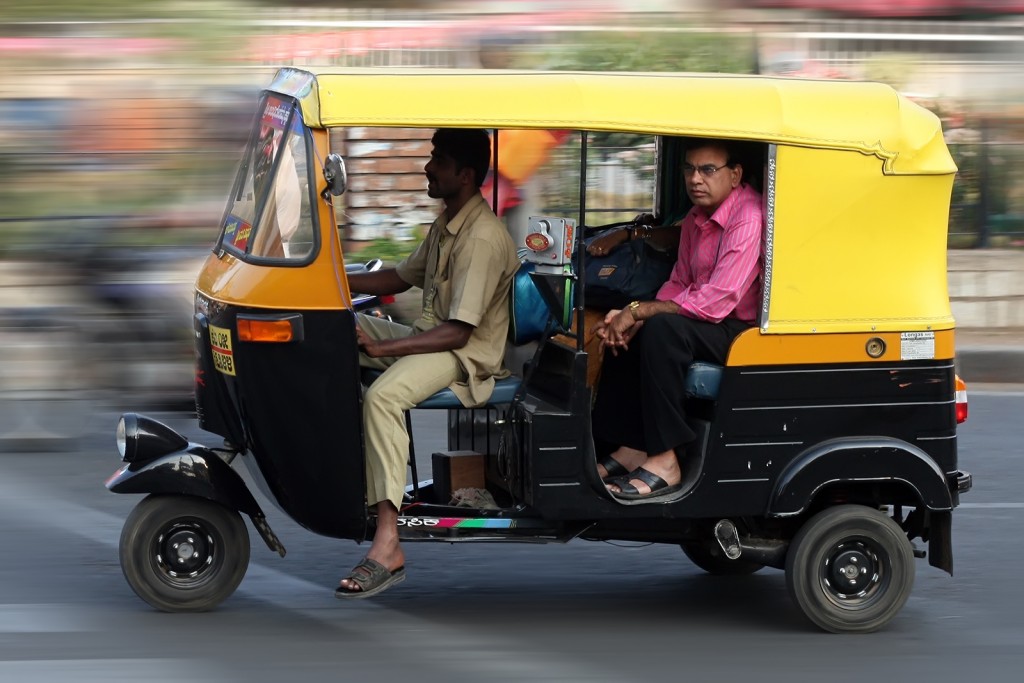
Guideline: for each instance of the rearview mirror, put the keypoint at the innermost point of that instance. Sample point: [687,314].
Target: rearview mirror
[335,174]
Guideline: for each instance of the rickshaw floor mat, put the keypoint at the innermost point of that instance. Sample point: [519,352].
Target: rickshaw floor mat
[372,578]
[659,487]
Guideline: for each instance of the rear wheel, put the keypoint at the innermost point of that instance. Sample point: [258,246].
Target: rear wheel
[712,560]
[850,569]
[183,554]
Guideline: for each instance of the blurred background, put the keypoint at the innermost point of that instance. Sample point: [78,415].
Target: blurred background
[121,123]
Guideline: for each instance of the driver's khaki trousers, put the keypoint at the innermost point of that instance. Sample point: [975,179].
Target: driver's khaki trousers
[405,382]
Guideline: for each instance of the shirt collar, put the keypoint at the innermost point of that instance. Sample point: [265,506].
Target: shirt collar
[468,211]
[721,215]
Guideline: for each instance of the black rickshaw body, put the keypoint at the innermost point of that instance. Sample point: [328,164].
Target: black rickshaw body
[837,411]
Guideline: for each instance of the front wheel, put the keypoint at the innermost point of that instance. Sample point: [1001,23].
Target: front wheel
[183,554]
[850,569]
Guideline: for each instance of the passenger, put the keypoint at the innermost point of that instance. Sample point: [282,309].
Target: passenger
[710,297]
[465,267]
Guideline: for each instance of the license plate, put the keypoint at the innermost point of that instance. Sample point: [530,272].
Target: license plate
[220,344]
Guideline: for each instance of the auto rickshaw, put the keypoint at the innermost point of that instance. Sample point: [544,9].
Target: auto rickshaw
[827,442]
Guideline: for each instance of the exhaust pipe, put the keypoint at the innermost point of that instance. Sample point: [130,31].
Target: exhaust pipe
[767,551]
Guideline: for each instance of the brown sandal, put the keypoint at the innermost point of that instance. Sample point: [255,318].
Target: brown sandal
[372,578]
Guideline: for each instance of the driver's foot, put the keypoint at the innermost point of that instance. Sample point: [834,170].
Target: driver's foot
[392,559]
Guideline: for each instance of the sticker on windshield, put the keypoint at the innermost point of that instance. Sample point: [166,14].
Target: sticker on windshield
[917,345]
[237,231]
[220,344]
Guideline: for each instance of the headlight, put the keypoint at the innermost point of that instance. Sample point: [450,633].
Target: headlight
[122,445]
[140,438]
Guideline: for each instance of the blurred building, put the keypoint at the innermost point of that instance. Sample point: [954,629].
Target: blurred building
[914,9]
[125,135]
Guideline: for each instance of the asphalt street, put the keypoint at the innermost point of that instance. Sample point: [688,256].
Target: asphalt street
[577,612]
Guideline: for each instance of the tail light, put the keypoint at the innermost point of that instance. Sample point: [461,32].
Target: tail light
[961,400]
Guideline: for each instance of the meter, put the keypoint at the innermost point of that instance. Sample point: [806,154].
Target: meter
[550,241]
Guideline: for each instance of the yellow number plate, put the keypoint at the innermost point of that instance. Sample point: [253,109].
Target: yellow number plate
[220,344]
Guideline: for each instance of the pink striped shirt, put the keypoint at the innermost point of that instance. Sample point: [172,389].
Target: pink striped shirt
[716,272]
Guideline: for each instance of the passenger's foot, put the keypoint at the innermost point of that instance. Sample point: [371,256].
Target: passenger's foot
[609,468]
[620,463]
[653,486]
[659,476]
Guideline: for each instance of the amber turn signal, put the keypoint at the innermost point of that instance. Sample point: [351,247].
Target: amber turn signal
[265,330]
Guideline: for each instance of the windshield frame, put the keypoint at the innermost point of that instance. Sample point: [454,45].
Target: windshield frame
[294,125]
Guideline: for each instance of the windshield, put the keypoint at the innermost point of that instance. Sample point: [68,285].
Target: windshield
[269,214]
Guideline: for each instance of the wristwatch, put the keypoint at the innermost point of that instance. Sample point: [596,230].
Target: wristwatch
[634,310]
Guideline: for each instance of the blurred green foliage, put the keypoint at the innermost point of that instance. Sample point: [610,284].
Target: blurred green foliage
[895,70]
[111,10]
[988,192]
[646,50]
[387,250]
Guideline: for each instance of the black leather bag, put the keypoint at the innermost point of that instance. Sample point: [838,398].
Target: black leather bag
[633,271]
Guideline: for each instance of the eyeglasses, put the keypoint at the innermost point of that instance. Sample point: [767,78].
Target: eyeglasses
[706,171]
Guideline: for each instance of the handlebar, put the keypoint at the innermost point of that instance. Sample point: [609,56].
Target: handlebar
[368,267]
[364,301]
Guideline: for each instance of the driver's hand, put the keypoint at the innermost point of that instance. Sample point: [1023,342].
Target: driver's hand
[368,344]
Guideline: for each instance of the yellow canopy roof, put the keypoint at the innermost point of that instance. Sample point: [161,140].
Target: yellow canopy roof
[870,118]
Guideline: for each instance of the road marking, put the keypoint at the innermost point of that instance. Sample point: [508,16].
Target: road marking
[106,670]
[41,618]
[994,506]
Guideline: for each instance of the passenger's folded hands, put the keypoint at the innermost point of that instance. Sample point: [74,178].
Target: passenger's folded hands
[617,329]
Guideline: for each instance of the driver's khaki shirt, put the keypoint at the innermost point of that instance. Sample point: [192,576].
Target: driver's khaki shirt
[465,267]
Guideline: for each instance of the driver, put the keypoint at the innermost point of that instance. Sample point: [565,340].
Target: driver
[465,267]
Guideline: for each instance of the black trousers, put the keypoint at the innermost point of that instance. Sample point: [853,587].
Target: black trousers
[640,395]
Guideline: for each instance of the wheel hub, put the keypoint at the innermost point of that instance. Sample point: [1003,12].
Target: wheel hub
[184,551]
[851,571]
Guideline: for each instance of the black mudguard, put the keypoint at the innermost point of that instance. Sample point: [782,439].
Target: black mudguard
[193,471]
[859,460]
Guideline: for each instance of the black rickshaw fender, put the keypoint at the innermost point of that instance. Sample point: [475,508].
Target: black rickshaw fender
[859,460]
[193,471]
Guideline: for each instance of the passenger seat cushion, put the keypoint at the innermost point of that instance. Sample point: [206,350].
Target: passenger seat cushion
[703,380]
